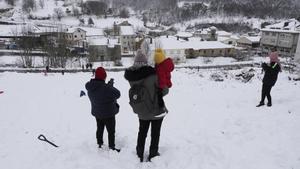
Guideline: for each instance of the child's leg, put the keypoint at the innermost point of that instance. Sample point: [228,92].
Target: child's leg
[161,102]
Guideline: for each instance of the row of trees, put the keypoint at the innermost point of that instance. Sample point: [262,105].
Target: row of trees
[257,8]
[54,48]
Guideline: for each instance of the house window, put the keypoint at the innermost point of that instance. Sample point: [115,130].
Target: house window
[82,36]
[212,52]
[228,50]
[204,51]
[267,33]
[273,34]
[75,36]
[220,51]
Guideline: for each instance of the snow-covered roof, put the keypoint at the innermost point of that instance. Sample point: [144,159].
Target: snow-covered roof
[17,30]
[102,42]
[224,33]
[290,25]
[151,24]
[73,29]
[223,38]
[253,39]
[195,43]
[98,42]
[126,30]
[184,34]
[93,31]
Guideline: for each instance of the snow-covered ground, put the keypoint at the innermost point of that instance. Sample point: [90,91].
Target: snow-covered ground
[210,125]
[127,61]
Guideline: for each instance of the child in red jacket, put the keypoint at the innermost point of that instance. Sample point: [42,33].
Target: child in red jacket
[163,66]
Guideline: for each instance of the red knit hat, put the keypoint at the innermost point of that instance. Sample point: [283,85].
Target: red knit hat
[100,73]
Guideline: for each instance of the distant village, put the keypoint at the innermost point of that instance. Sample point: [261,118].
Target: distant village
[123,39]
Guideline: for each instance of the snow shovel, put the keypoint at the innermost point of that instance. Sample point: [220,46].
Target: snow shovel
[43,138]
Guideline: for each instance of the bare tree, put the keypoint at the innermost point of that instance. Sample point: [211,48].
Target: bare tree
[28,5]
[90,22]
[124,13]
[42,3]
[11,2]
[76,12]
[58,13]
[26,44]
[95,7]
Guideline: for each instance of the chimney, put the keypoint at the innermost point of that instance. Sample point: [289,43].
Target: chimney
[177,37]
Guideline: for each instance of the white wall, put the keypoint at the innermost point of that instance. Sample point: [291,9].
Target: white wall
[297,54]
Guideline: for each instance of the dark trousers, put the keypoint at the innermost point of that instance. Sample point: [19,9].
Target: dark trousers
[155,133]
[266,92]
[110,124]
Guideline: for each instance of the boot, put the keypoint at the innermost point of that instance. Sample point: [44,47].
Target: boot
[115,149]
[260,104]
[269,104]
[153,155]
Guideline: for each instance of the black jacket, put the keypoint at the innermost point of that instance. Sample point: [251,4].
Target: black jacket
[146,75]
[271,73]
[103,98]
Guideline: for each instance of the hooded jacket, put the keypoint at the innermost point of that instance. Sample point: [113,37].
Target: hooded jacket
[103,98]
[147,76]
[271,73]
[163,71]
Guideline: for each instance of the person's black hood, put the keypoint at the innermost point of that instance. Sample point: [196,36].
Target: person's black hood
[138,73]
[93,84]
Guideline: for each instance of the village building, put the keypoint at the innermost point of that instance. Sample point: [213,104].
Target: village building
[221,33]
[92,32]
[179,49]
[231,40]
[249,41]
[184,35]
[104,49]
[284,36]
[10,33]
[208,34]
[75,36]
[127,40]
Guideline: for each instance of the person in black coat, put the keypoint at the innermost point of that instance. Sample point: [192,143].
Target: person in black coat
[269,80]
[149,112]
[103,97]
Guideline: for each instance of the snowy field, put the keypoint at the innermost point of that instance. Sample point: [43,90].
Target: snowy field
[210,125]
[13,61]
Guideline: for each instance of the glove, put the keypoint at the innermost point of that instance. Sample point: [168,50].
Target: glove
[111,82]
